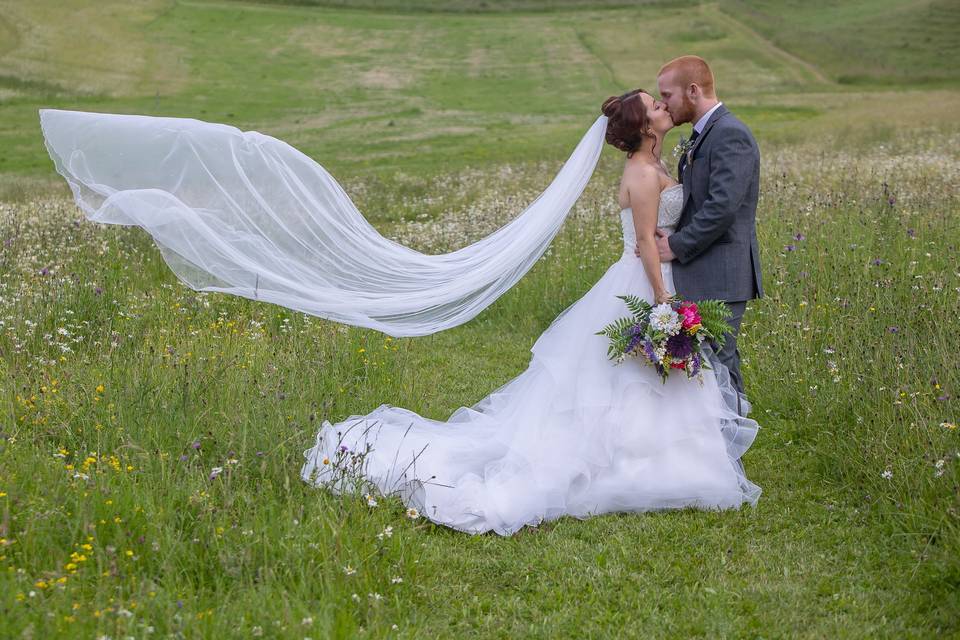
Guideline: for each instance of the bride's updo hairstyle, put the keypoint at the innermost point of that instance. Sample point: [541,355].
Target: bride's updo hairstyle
[627,123]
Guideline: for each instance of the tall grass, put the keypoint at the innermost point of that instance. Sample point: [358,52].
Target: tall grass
[164,429]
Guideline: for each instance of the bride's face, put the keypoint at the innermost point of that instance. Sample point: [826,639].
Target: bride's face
[657,114]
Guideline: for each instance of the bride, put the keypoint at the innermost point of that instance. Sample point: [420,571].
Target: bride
[573,434]
[247,214]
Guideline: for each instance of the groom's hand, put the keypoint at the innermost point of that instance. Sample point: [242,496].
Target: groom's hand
[663,247]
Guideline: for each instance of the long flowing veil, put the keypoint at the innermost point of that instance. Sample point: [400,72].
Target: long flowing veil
[243,213]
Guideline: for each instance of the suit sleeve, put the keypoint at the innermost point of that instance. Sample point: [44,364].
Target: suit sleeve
[733,157]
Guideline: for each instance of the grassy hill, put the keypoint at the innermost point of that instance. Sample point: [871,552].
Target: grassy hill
[374,91]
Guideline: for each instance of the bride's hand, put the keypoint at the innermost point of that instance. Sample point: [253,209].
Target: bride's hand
[663,297]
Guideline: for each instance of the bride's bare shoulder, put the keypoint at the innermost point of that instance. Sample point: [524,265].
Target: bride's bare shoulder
[641,178]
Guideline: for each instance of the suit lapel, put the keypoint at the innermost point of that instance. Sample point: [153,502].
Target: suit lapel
[716,115]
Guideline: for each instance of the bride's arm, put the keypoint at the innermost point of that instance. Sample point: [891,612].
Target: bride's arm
[643,188]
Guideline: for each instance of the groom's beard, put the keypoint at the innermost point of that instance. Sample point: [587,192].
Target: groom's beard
[685,113]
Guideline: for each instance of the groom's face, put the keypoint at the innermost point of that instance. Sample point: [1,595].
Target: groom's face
[679,106]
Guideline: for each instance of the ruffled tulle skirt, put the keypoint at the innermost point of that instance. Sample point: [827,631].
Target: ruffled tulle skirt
[574,434]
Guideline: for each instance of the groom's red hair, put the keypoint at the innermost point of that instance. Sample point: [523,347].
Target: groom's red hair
[691,70]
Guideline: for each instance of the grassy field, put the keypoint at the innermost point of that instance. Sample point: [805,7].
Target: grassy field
[123,391]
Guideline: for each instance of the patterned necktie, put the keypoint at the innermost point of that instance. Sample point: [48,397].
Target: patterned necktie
[683,157]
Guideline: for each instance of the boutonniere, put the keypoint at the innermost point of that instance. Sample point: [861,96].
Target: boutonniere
[684,146]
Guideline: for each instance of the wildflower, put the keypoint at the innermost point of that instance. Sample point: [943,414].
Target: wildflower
[939,468]
[216,471]
[349,570]
[396,580]
[664,318]
[326,460]
[257,631]
[413,514]
[679,346]
[887,474]
[386,533]
[371,502]
[951,426]
[375,596]
[355,597]
[100,388]
[307,621]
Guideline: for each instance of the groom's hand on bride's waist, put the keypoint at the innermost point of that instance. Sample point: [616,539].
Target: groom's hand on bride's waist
[663,247]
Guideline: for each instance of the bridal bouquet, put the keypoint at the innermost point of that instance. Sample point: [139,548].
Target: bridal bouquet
[669,335]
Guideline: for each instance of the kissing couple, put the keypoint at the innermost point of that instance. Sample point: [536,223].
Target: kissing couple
[244,213]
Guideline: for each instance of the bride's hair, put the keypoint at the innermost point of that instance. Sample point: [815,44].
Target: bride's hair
[627,123]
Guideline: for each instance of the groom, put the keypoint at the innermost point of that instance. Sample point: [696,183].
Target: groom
[715,246]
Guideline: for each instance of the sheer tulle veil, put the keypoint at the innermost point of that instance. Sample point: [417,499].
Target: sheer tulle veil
[243,213]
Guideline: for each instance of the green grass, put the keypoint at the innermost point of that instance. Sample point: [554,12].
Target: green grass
[832,549]
[441,126]
[372,93]
[864,42]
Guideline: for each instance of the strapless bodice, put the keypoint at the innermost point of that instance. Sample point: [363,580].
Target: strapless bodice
[668,214]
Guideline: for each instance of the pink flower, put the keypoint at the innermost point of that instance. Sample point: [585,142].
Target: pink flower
[690,315]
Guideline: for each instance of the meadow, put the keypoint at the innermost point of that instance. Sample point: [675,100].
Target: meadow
[152,436]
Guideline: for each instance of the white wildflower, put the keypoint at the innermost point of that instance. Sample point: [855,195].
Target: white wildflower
[664,318]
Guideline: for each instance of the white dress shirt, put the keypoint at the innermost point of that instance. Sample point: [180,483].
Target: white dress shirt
[702,122]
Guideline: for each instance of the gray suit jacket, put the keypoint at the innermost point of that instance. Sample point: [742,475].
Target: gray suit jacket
[716,238]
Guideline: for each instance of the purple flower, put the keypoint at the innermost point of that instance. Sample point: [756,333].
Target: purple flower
[790,247]
[680,346]
[45,271]
[97,291]
[877,262]
[196,444]
[891,201]
[911,233]
[344,448]
[184,458]
[799,237]
[695,369]
[648,351]
[893,329]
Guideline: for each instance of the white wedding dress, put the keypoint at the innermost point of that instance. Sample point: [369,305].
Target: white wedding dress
[574,434]
[243,213]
